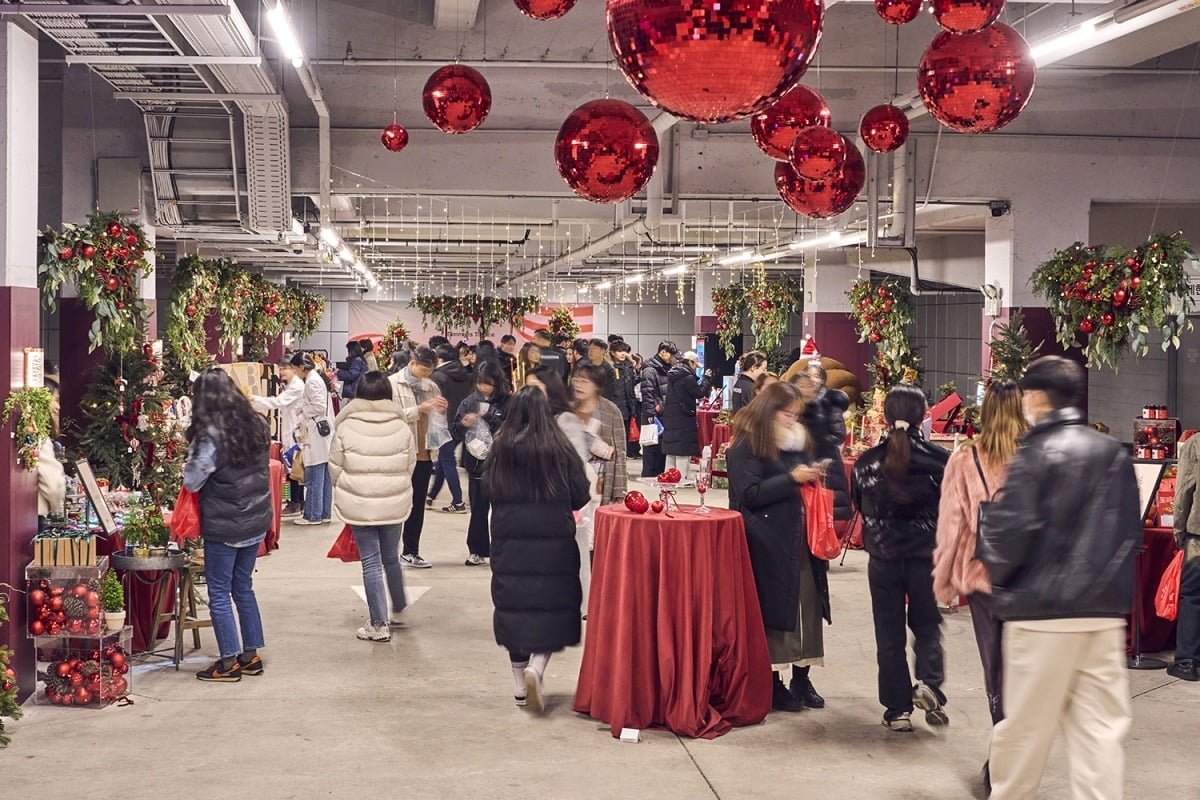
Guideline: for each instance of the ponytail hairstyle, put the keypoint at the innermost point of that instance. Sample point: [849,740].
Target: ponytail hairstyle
[904,409]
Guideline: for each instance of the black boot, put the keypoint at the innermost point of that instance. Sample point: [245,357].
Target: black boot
[781,698]
[802,689]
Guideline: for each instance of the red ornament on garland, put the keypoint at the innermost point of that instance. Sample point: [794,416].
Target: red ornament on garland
[898,12]
[1087,325]
[884,128]
[88,250]
[544,9]
[394,137]
[131,239]
[67,253]
[456,98]
[709,61]
[966,16]
[818,153]
[606,151]
[114,229]
[822,199]
[977,82]
[775,128]
[1107,319]
[112,284]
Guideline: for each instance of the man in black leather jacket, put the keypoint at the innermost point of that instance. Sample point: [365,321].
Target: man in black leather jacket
[1059,545]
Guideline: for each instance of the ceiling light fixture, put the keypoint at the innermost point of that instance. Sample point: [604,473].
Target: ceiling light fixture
[285,34]
[678,269]
[738,258]
[603,286]
[329,236]
[635,278]
[1065,44]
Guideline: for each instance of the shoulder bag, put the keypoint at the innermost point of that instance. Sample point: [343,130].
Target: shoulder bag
[985,507]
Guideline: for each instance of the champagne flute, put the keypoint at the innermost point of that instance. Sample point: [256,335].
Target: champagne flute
[703,481]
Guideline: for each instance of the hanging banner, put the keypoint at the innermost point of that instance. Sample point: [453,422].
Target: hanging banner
[370,320]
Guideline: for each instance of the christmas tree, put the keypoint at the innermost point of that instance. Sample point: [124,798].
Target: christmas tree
[1011,350]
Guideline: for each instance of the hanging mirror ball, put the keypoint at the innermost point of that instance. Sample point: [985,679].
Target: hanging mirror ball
[456,98]
[544,9]
[394,137]
[606,151]
[884,128]
[822,199]
[898,12]
[977,82]
[818,153]
[775,127]
[966,16]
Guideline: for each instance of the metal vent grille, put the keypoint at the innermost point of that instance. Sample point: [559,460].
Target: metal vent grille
[268,171]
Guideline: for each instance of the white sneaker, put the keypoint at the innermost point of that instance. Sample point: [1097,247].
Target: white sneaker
[475,561]
[303,521]
[535,700]
[928,700]
[416,562]
[375,633]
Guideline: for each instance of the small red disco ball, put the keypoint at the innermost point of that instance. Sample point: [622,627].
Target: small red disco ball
[966,16]
[457,99]
[884,128]
[775,127]
[544,9]
[898,12]
[977,82]
[606,151]
[394,137]
[713,60]
[822,199]
[818,153]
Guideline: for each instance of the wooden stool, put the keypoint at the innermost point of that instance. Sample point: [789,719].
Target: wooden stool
[186,615]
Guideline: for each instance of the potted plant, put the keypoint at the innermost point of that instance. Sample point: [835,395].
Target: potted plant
[112,596]
[145,533]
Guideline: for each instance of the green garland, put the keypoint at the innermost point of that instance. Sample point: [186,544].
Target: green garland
[729,306]
[771,304]
[193,298]
[883,313]
[33,417]
[105,259]
[472,312]
[8,677]
[1115,296]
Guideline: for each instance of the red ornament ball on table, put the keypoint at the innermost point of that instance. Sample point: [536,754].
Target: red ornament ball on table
[544,9]
[775,127]
[456,98]
[637,502]
[822,199]
[966,16]
[606,151]
[884,128]
[710,61]
[818,153]
[977,82]
[394,137]
[898,12]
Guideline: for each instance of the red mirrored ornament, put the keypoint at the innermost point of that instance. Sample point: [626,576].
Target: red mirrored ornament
[637,502]
[822,199]
[966,16]
[884,128]
[977,82]
[775,127]
[898,12]
[606,150]
[394,137]
[711,61]
[544,9]
[457,99]
[818,153]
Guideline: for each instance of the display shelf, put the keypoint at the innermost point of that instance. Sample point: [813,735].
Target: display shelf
[89,671]
[1154,438]
[64,601]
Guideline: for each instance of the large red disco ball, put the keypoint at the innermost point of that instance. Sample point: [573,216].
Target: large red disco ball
[394,137]
[884,128]
[775,127]
[898,12]
[456,98]
[966,16]
[822,199]
[819,153]
[977,82]
[606,151]
[713,60]
[544,9]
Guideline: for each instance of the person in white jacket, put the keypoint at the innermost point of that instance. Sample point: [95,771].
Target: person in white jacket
[372,460]
[314,409]
[287,402]
[52,479]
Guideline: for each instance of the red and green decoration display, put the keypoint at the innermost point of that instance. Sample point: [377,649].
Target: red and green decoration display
[769,302]
[561,322]
[729,306]
[394,339]
[472,312]
[105,259]
[1107,300]
[8,676]
[884,313]
[32,408]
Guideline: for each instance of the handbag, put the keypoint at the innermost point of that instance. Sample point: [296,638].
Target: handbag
[648,437]
[323,427]
[823,540]
[1166,599]
[185,519]
[297,471]
[344,547]
[985,507]
[635,432]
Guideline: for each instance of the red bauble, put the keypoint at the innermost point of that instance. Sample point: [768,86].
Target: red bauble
[37,598]
[1135,281]
[114,229]
[92,599]
[394,137]
[123,252]
[82,696]
[876,337]
[1087,326]
[818,153]
[62,669]
[1119,297]
[775,127]
[1107,318]
[190,311]
[117,659]
[977,82]
[966,16]
[88,250]
[672,475]
[884,128]
[822,199]
[657,506]
[544,9]
[36,627]
[637,502]
[457,99]
[606,151]
[898,12]
[56,601]
[711,61]
[75,679]
[882,291]
[112,284]
[131,239]
[67,253]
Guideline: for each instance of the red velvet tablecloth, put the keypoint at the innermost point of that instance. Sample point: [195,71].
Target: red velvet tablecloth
[141,593]
[706,421]
[675,638]
[278,476]
[1157,633]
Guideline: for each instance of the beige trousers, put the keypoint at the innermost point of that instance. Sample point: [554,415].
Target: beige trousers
[1073,681]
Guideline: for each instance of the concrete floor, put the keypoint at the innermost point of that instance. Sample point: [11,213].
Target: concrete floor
[430,714]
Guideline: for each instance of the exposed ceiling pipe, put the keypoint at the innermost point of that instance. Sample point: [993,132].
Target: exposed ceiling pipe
[325,158]
[606,242]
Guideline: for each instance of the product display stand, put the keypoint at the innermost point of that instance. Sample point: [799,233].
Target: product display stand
[1136,660]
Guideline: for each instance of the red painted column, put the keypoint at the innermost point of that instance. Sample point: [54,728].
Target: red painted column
[837,338]
[75,366]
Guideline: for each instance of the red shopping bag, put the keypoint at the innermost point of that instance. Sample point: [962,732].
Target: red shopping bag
[1166,599]
[185,519]
[635,433]
[818,512]
[344,546]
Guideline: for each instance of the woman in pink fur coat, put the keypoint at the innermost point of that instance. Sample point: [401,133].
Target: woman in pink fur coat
[974,474]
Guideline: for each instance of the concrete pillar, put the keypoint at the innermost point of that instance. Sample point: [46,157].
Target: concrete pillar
[827,315]
[19,305]
[708,279]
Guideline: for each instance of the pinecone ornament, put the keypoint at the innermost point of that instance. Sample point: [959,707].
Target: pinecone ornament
[75,607]
[57,685]
[89,668]
[93,584]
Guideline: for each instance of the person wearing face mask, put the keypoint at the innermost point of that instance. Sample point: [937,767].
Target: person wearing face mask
[750,367]
[476,423]
[769,459]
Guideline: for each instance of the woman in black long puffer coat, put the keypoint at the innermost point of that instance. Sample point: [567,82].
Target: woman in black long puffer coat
[536,482]
[680,438]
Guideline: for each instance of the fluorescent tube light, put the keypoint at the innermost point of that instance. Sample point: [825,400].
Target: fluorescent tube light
[346,254]
[605,285]
[635,278]
[285,34]
[679,269]
[329,236]
[1056,47]
[739,258]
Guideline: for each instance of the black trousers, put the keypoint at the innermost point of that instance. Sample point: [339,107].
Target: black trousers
[1187,627]
[479,540]
[988,631]
[297,492]
[890,580]
[416,520]
[653,460]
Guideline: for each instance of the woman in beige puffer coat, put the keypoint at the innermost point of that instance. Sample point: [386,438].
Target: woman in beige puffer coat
[371,460]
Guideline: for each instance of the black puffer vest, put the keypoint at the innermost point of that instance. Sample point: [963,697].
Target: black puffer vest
[235,502]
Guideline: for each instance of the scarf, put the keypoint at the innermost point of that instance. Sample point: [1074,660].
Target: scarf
[791,440]
[438,432]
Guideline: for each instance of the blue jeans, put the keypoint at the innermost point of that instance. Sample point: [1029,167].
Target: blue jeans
[318,493]
[229,573]
[379,550]
[446,469]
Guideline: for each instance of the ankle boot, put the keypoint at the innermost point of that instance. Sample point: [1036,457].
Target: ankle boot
[781,698]
[802,689]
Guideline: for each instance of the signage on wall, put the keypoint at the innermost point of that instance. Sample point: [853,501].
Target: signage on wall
[1194,294]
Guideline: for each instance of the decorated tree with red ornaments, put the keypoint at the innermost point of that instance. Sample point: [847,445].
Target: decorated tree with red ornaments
[729,307]
[884,313]
[8,676]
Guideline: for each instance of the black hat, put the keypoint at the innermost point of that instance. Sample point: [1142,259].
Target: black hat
[669,346]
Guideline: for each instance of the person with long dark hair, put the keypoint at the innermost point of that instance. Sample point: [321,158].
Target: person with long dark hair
[228,444]
[476,423]
[768,461]
[535,481]
[356,367]
[897,486]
